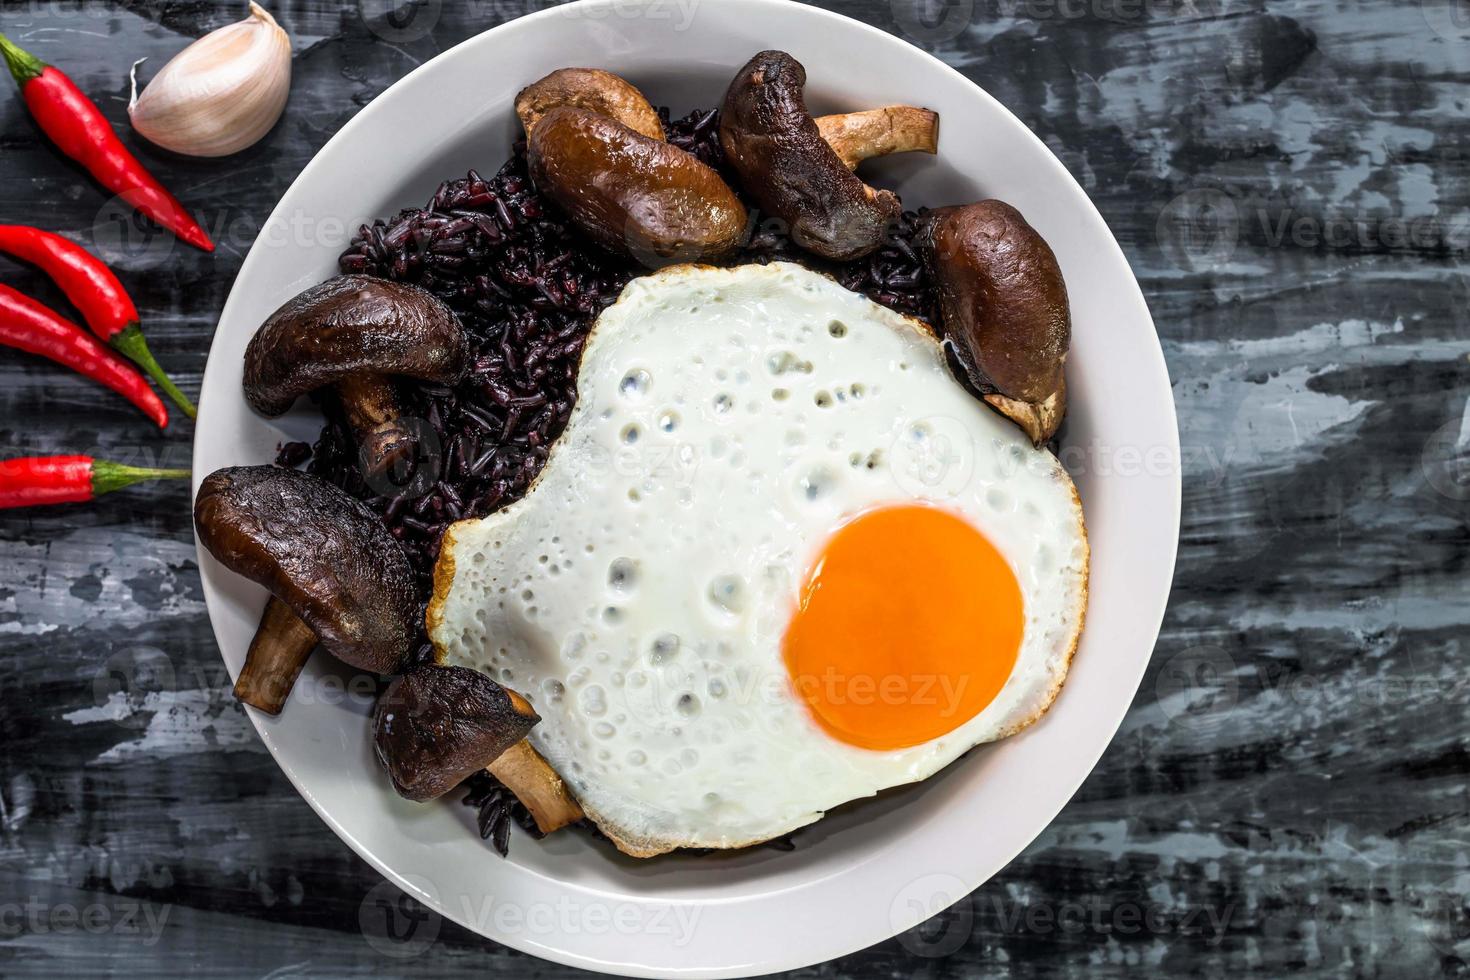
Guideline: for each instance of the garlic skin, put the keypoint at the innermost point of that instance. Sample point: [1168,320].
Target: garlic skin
[222,93]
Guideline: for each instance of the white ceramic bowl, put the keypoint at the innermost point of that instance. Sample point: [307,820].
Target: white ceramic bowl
[872,869]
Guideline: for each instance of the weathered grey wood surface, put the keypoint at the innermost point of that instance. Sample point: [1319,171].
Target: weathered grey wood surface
[1288,795]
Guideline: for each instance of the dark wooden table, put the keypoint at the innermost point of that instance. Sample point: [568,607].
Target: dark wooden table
[1288,795]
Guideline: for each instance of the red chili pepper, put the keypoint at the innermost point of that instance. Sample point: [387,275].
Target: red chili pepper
[33,480]
[77,126]
[32,327]
[93,289]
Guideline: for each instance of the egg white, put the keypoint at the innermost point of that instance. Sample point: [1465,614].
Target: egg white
[728,420]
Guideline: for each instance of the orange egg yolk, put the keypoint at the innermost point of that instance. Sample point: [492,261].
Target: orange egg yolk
[909,624]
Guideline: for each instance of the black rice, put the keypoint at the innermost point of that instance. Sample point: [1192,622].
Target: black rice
[495,808]
[527,287]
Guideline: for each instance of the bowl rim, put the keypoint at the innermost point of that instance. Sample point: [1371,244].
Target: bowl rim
[1154,608]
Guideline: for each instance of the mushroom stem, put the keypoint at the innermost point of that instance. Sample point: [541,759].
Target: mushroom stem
[356,334]
[368,401]
[857,136]
[530,777]
[279,650]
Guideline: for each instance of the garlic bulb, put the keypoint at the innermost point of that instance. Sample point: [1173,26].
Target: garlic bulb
[220,94]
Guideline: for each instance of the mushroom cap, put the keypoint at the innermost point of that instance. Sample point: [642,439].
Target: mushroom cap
[352,326]
[589,88]
[434,726]
[784,163]
[320,552]
[630,194]
[1004,306]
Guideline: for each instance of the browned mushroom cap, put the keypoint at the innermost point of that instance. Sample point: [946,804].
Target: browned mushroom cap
[592,89]
[774,144]
[322,553]
[631,194]
[352,327]
[1005,309]
[436,726]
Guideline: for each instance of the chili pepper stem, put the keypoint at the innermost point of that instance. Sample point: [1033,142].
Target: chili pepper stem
[108,476]
[23,65]
[129,341]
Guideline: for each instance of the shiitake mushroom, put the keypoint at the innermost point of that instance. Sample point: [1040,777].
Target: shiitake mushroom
[435,726]
[357,331]
[777,148]
[334,572]
[631,194]
[1004,307]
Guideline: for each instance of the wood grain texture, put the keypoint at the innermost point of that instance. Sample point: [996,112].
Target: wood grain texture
[1288,795]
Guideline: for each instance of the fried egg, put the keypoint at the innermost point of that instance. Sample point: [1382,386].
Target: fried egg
[778,560]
